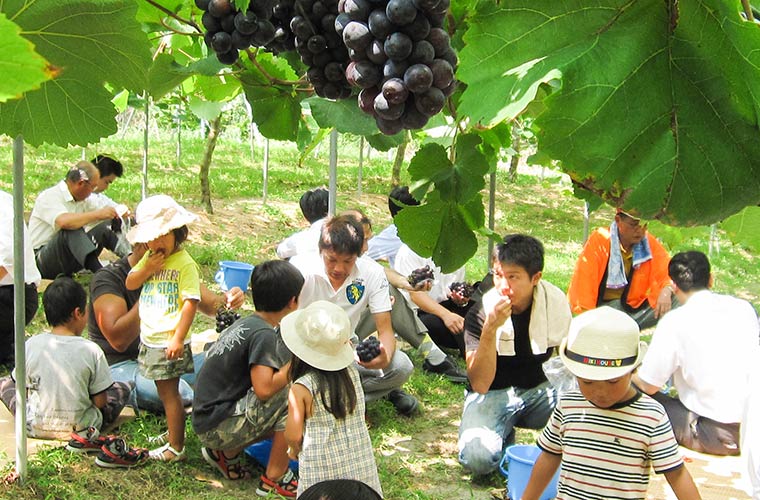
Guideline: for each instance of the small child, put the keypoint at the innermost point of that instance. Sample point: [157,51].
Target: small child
[325,429]
[241,392]
[607,434]
[68,382]
[169,298]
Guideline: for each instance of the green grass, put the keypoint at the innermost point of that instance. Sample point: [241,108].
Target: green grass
[416,457]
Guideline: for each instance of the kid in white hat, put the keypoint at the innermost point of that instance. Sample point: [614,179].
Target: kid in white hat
[607,435]
[326,428]
[169,298]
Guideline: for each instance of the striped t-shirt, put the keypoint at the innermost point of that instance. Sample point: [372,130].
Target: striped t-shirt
[607,453]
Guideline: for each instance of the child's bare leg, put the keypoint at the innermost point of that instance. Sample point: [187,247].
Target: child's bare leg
[168,391]
[278,457]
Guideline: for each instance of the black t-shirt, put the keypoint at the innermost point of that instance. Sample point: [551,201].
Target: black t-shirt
[225,376]
[112,280]
[523,370]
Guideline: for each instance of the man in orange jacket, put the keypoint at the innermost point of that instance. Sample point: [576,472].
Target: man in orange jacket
[624,267]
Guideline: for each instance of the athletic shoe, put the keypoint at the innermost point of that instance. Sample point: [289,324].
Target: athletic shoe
[287,486]
[117,455]
[89,442]
[231,468]
[405,403]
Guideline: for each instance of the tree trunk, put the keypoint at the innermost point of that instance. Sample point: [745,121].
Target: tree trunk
[213,135]
[398,161]
[515,159]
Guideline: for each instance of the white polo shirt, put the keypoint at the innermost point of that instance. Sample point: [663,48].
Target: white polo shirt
[407,261]
[710,347]
[51,203]
[366,286]
[31,274]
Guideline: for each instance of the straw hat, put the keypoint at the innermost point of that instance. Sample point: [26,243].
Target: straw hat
[156,216]
[319,335]
[602,344]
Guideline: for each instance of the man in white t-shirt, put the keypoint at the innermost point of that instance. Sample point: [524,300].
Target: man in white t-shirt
[110,169]
[314,207]
[31,280]
[337,275]
[709,347]
[57,225]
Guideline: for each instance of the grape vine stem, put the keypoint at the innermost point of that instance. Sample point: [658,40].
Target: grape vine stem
[171,14]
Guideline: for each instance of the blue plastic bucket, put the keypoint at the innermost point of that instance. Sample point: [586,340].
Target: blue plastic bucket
[519,460]
[260,452]
[232,274]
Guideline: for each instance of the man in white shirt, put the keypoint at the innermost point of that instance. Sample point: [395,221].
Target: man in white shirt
[314,207]
[110,169]
[58,220]
[709,347]
[385,244]
[338,275]
[31,280]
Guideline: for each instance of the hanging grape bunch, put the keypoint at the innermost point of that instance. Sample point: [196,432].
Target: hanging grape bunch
[229,30]
[368,349]
[402,59]
[224,318]
[419,275]
[320,47]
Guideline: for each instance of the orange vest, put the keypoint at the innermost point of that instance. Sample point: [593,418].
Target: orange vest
[645,282]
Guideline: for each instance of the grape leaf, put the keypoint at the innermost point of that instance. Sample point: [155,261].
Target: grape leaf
[204,109]
[744,228]
[165,75]
[19,59]
[667,127]
[344,115]
[93,42]
[383,142]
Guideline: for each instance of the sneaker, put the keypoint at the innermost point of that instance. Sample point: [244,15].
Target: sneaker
[117,455]
[405,403]
[287,486]
[449,369]
[231,468]
[89,442]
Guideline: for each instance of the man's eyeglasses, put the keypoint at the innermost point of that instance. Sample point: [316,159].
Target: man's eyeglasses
[633,223]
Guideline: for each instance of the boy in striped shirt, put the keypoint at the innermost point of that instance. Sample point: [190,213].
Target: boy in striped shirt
[608,434]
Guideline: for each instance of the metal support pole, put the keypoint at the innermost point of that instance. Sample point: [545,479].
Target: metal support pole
[333,171]
[266,170]
[361,162]
[146,137]
[491,214]
[19,306]
[585,221]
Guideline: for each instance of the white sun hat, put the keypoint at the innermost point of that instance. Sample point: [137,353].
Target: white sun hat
[156,216]
[319,335]
[602,344]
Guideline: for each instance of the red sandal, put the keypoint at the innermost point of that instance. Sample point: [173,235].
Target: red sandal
[286,486]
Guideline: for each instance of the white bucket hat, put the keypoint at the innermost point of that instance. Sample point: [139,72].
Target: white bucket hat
[156,216]
[319,335]
[602,344]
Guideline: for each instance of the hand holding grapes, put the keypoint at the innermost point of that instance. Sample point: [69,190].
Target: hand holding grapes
[460,293]
[235,298]
[372,347]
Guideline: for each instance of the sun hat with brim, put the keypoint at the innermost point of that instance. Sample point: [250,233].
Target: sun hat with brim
[602,344]
[156,216]
[320,335]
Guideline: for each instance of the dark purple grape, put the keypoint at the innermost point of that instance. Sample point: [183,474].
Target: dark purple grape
[419,275]
[430,102]
[228,23]
[356,36]
[376,53]
[225,318]
[464,289]
[401,12]
[422,52]
[210,22]
[221,42]
[240,41]
[246,23]
[387,111]
[219,8]
[316,44]
[418,78]
[443,73]
[366,100]
[419,28]
[395,91]
[228,57]
[379,25]
[368,349]
[398,46]
[357,10]
[413,119]
[440,40]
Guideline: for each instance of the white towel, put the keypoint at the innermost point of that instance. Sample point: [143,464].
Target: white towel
[616,277]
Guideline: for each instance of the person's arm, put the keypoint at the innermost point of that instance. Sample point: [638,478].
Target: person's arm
[399,281]
[682,484]
[299,398]
[481,363]
[140,273]
[119,326]
[211,302]
[583,292]
[267,381]
[644,386]
[176,345]
[660,286]
[543,470]
[99,400]
[70,220]
[453,321]
[387,342]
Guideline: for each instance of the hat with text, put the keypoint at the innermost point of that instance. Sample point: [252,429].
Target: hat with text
[156,216]
[320,335]
[602,344]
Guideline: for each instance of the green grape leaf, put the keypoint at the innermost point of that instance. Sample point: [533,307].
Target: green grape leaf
[382,142]
[344,115]
[165,75]
[666,128]
[223,87]
[93,42]
[19,59]
[744,228]
[208,110]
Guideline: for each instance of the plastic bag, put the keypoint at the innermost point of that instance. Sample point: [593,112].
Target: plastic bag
[559,376]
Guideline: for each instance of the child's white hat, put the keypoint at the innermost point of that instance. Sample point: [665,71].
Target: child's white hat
[156,216]
[320,335]
[602,344]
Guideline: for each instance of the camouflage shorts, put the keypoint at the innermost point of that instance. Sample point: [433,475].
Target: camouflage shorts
[251,420]
[153,364]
